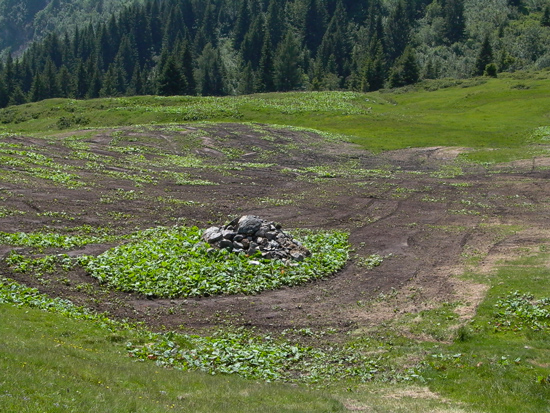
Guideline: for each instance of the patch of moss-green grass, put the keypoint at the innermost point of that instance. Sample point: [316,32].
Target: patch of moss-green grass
[485,115]
[498,362]
[75,365]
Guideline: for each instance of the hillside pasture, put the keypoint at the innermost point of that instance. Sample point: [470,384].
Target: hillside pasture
[428,227]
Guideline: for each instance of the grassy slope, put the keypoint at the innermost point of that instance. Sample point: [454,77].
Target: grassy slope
[77,356]
[56,364]
[504,360]
[480,113]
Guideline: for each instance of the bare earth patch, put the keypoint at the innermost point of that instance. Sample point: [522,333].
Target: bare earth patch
[429,215]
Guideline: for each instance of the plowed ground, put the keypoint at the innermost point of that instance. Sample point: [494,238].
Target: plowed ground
[430,214]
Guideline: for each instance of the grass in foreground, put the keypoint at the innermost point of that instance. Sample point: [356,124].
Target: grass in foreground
[55,363]
[496,363]
[52,363]
[499,362]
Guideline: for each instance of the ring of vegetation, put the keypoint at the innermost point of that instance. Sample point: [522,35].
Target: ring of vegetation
[173,262]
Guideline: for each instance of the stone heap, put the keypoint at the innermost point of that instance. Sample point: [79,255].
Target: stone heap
[250,234]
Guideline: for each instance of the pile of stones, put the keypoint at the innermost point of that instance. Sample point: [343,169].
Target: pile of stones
[251,234]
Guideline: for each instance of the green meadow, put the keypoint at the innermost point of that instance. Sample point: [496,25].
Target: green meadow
[58,358]
[497,115]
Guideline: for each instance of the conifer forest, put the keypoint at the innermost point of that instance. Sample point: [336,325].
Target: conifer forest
[230,47]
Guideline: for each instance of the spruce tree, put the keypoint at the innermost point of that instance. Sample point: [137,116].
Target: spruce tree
[4,98]
[109,86]
[484,57]
[173,28]
[53,49]
[152,17]
[186,62]
[275,22]
[242,25]
[545,20]
[80,83]
[247,81]
[171,81]
[17,97]
[136,83]
[377,71]
[314,24]
[454,20]
[430,70]
[8,76]
[266,72]
[335,44]
[491,70]
[51,87]
[38,89]
[208,26]
[252,44]
[405,71]
[127,55]
[211,72]
[95,84]
[67,56]
[25,73]
[288,73]
[398,30]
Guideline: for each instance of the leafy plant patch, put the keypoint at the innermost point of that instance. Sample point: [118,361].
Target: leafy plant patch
[173,262]
[517,311]
[239,351]
[22,296]
[50,240]
[242,352]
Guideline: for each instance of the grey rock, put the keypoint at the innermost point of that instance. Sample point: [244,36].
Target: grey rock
[233,224]
[249,224]
[271,235]
[212,235]
[225,243]
[229,234]
[252,234]
[279,255]
[261,232]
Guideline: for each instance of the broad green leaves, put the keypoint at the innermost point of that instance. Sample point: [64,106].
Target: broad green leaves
[173,262]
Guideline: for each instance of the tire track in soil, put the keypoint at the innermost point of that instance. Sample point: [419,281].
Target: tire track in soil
[425,259]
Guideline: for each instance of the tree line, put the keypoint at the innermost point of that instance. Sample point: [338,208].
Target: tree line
[221,47]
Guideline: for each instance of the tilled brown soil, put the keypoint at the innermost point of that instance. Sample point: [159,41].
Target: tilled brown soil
[429,214]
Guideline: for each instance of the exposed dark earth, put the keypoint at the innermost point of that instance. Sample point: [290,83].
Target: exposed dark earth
[430,214]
